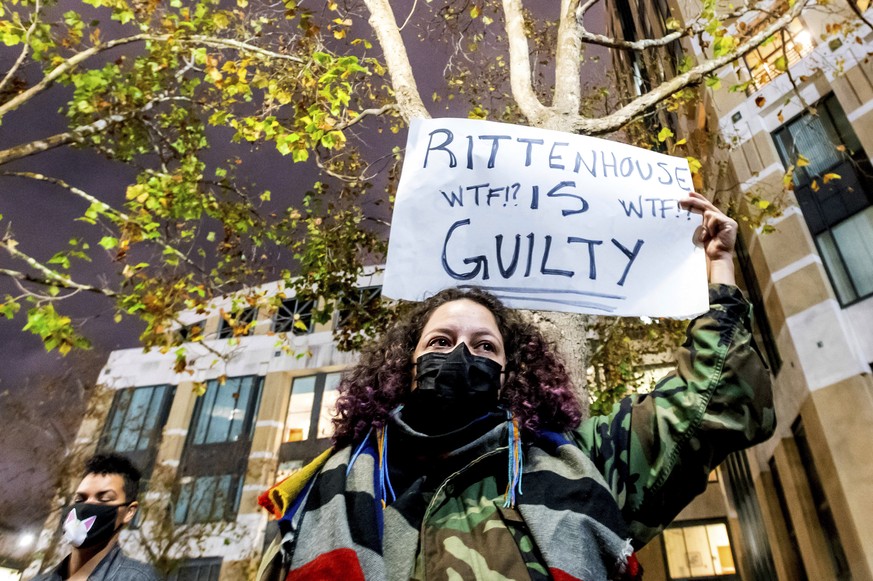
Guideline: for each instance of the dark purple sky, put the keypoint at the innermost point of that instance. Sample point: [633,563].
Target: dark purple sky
[41,394]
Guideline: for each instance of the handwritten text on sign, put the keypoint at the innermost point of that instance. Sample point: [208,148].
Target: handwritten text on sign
[546,220]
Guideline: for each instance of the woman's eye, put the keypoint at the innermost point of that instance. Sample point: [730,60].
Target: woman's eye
[439,342]
[486,347]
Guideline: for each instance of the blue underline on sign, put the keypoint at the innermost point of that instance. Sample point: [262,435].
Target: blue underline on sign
[521,290]
[582,304]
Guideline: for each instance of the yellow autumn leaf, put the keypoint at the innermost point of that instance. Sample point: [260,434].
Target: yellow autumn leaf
[802,161]
[830,176]
[863,5]
[474,12]
[814,185]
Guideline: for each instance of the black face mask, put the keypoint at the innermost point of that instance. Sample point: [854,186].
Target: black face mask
[453,389]
[88,525]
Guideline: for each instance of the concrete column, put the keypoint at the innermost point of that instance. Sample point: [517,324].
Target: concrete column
[839,425]
[810,536]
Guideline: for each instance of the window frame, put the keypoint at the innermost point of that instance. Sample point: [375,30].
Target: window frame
[217,459]
[311,446]
[766,61]
[701,523]
[365,295]
[198,564]
[285,317]
[143,459]
[247,316]
[809,198]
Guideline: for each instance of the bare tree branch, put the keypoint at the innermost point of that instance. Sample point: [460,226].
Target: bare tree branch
[854,6]
[385,27]
[519,66]
[568,83]
[50,277]
[25,48]
[77,134]
[114,214]
[651,99]
[81,57]
[649,43]
[367,113]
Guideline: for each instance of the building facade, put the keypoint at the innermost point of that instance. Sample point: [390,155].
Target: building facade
[797,507]
[254,404]
[791,128]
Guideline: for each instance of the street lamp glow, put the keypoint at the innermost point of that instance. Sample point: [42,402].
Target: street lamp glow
[26,540]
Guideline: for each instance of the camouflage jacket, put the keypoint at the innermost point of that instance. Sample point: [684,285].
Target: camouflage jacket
[588,497]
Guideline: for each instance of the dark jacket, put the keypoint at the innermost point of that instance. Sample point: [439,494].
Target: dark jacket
[115,566]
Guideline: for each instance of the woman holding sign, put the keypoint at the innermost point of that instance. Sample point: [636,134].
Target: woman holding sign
[460,452]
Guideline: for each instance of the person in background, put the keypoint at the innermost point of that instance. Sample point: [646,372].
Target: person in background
[105,502]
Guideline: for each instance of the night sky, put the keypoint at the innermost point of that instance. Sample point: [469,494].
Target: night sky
[43,395]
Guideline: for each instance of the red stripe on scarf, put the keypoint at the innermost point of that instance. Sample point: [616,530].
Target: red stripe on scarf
[559,575]
[337,564]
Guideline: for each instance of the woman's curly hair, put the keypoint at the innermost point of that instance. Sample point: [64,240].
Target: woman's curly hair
[537,388]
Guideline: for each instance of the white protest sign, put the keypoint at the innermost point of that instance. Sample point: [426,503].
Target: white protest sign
[545,220]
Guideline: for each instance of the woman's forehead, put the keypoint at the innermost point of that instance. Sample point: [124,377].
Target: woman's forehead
[462,313]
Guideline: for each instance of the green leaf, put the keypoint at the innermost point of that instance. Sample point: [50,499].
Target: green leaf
[108,242]
[781,64]
[664,134]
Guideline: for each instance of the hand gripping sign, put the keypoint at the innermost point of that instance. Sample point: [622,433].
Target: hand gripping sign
[544,220]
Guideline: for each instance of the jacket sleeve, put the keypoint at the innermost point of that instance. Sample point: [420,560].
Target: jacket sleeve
[656,450]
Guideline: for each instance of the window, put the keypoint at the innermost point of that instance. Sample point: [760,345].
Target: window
[192,331]
[134,424]
[776,54]
[754,544]
[235,325]
[294,316]
[361,301]
[308,426]
[216,453]
[205,498]
[197,570]
[792,551]
[700,550]
[833,183]
[763,332]
[822,505]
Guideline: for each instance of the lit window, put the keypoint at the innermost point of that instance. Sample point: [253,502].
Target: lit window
[307,392]
[294,316]
[777,53]
[698,551]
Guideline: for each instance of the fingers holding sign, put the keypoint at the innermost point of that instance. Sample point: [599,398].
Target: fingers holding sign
[718,236]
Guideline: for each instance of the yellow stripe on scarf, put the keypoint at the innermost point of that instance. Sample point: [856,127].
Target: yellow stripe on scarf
[284,493]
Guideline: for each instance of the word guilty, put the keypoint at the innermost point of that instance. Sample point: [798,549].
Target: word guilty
[522,259]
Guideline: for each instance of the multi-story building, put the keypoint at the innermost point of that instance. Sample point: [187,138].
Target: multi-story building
[797,507]
[249,408]
[794,133]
